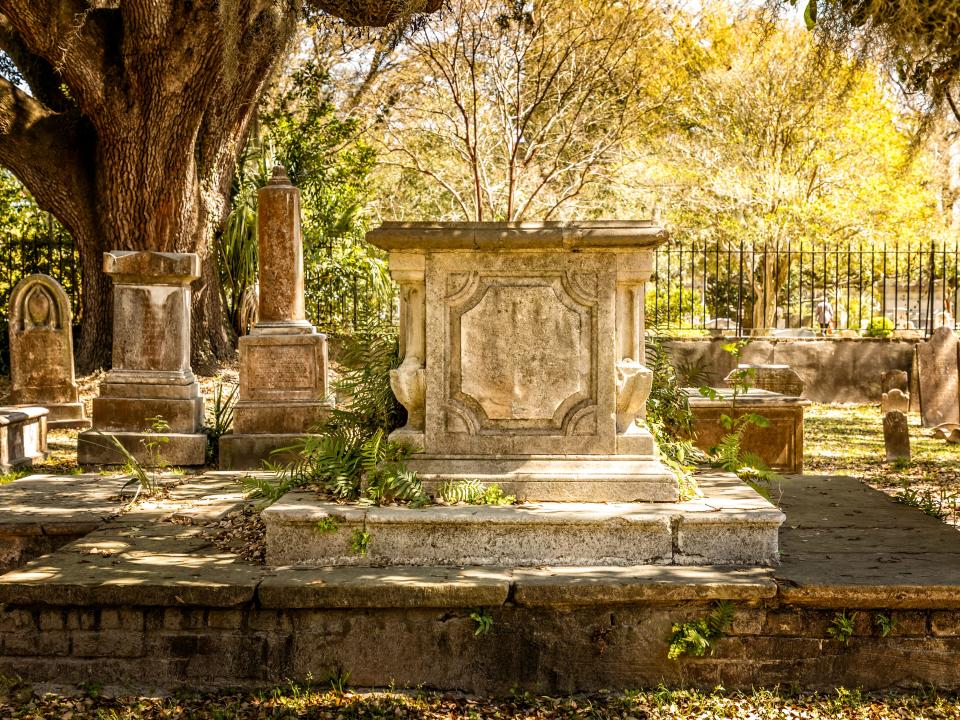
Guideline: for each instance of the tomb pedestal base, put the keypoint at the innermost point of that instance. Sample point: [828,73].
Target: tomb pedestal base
[282,394]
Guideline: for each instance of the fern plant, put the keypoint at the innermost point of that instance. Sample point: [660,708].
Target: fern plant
[474,492]
[695,637]
[349,455]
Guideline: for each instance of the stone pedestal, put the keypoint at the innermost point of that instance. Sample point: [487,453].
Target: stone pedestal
[151,380]
[41,351]
[523,356]
[283,362]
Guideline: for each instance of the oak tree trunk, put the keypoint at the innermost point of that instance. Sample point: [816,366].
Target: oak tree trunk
[130,130]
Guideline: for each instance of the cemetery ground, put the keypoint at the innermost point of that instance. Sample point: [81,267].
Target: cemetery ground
[841,440]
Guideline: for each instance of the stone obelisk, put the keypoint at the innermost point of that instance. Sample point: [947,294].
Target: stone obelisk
[283,362]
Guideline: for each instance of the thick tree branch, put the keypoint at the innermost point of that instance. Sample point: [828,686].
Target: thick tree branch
[374,13]
[43,80]
[45,151]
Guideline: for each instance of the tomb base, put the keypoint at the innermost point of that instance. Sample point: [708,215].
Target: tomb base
[178,449]
[283,388]
[568,478]
[250,452]
[65,416]
[730,525]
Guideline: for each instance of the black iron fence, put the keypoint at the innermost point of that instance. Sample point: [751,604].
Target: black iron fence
[49,249]
[788,290]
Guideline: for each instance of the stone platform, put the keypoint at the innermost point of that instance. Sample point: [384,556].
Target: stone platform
[731,525]
[144,603]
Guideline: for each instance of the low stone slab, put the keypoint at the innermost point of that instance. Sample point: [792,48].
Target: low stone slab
[179,450]
[23,436]
[576,586]
[148,565]
[301,587]
[730,525]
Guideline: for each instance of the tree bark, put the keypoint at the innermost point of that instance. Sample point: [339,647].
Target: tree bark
[131,132]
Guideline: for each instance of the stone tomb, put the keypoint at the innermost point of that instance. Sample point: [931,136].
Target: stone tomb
[523,356]
[23,436]
[283,362]
[151,377]
[41,351]
[937,369]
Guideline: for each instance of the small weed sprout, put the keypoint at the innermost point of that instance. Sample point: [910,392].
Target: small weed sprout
[841,627]
[483,621]
[338,680]
[155,441]
[474,492]
[360,542]
[329,524]
[885,623]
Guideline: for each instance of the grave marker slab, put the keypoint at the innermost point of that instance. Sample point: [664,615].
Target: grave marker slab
[938,369]
[41,351]
[896,436]
[895,401]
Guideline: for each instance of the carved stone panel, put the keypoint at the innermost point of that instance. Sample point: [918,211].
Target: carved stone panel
[522,336]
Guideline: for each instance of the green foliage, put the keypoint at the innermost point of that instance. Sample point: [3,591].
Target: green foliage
[673,305]
[327,525]
[474,492]
[695,637]
[842,626]
[146,482]
[483,621]
[359,542]
[219,419]
[667,406]
[879,327]
[938,504]
[885,623]
[155,440]
[349,454]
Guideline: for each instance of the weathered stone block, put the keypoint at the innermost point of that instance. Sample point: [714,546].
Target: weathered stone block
[780,444]
[151,379]
[938,368]
[23,436]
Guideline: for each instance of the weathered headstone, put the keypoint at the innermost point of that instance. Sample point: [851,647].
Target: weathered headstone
[151,392]
[896,436]
[283,361]
[41,351]
[894,379]
[895,401]
[938,368]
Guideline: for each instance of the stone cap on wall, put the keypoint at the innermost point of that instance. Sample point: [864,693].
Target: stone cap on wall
[151,268]
[586,235]
[10,414]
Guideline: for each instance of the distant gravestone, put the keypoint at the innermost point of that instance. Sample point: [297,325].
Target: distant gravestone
[938,369]
[895,401]
[780,379]
[894,380]
[41,351]
[896,436]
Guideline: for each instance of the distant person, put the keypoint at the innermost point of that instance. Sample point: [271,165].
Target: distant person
[824,315]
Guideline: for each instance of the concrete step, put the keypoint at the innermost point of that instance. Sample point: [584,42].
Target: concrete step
[731,525]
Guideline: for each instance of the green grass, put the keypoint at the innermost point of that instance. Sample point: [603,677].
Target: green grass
[326,702]
[848,440]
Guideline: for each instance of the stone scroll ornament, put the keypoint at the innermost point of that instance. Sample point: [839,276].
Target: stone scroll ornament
[41,351]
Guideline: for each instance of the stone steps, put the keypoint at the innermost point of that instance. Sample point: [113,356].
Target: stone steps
[731,525]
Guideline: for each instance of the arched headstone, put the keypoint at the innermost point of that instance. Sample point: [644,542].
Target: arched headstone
[41,351]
